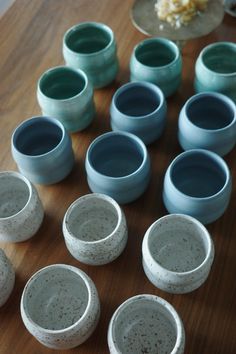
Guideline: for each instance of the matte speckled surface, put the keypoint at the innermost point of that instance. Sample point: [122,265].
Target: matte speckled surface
[7,278]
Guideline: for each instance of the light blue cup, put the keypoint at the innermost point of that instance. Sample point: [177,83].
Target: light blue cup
[42,150]
[208,121]
[91,46]
[118,164]
[197,183]
[139,108]
[215,69]
[66,94]
[157,60]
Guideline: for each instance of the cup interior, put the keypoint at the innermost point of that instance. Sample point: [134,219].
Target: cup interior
[37,136]
[14,195]
[61,83]
[220,58]
[198,174]
[155,53]
[88,39]
[116,155]
[56,298]
[209,112]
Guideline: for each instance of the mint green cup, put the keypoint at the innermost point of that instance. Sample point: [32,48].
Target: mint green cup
[67,95]
[215,69]
[91,46]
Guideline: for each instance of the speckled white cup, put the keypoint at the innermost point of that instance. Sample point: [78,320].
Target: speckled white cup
[146,324]
[60,306]
[177,253]
[21,211]
[95,229]
[7,278]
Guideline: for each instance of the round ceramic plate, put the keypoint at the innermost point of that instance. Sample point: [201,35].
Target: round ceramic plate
[144,18]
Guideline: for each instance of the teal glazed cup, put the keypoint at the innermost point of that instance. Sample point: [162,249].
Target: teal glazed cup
[157,60]
[91,46]
[42,150]
[118,165]
[66,94]
[215,69]
[208,121]
[197,183]
[139,108]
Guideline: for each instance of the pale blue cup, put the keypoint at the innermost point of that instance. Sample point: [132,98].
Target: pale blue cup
[118,164]
[91,46]
[157,60]
[66,94]
[208,121]
[42,150]
[215,69]
[139,108]
[197,183]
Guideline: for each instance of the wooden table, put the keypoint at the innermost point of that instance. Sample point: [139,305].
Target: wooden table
[30,42]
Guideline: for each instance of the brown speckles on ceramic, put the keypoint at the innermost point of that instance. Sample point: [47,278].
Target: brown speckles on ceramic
[146,324]
[7,278]
[94,229]
[60,306]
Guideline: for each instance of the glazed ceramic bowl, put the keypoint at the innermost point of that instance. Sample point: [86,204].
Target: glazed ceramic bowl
[197,183]
[118,164]
[208,121]
[139,108]
[94,229]
[21,211]
[60,306]
[42,150]
[7,278]
[91,46]
[177,253]
[146,324]
[157,60]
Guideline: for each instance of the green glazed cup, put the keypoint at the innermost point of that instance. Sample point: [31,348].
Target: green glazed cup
[91,46]
[66,94]
[159,61]
[215,69]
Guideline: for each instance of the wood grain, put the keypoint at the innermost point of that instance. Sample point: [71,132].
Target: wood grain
[31,40]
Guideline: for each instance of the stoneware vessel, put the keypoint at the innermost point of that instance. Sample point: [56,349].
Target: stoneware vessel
[146,324]
[21,211]
[177,253]
[7,278]
[91,46]
[42,150]
[157,60]
[139,108]
[215,69]
[208,121]
[197,183]
[118,164]
[94,229]
[67,95]
[60,306]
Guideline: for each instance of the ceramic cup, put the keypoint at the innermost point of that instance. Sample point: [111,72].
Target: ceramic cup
[67,95]
[215,69]
[157,60]
[94,229]
[42,150]
[21,211]
[60,306]
[118,164]
[139,108]
[146,324]
[91,46]
[197,183]
[177,253]
[7,278]
[208,121]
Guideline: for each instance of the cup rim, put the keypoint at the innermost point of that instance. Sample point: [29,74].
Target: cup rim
[85,24]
